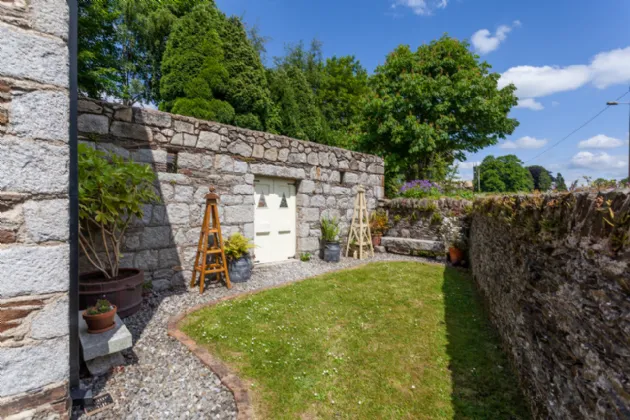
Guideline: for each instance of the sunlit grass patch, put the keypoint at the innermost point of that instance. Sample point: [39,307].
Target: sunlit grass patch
[387,340]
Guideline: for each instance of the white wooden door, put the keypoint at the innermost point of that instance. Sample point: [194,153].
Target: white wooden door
[274,223]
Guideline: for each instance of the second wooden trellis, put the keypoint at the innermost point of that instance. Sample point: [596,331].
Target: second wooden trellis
[360,227]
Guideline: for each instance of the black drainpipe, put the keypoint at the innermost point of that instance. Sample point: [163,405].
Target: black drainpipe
[74,358]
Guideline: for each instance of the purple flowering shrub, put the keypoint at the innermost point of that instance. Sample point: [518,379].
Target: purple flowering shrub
[421,188]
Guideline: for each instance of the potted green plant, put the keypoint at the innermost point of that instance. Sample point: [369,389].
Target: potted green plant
[100,317]
[330,237]
[239,262]
[454,240]
[379,224]
[112,194]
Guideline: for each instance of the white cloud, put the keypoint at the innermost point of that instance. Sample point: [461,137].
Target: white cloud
[605,69]
[600,141]
[597,161]
[484,42]
[530,103]
[421,7]
[526,142]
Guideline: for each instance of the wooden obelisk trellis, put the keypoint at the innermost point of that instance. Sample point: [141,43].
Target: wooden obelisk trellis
[210,253]
[360,228]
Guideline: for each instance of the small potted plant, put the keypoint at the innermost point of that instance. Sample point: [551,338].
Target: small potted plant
[100,317]
[378,226]
[239,262]
[330,237]
[454,240]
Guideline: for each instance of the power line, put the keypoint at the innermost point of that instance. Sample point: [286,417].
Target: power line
[576,130]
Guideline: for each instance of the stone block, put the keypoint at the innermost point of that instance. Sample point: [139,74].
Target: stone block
[131,131]
[156,237]
[271,154]
[46,220]
[350,178]
[240,167]
[224,163]
[89,106]
[341,191]
[302,200]
[146,260]
[51,321]
[178,213]
[303,230]
[209,140]
[229,200]
[149,156]
[258,151]
[318,201]
[313,158]
[28,368]
[308,244]
[239,214]
[243,189]
[283,155]
[183,194]
[173,178]
[124,114]
[50,16]
[33,270]
[110,148]
[168,258]
[241,148]
[306,187]
[151,117]
[264,169]
[323,159]
[92,123]
[309,214]
[109,342]
[184,139]
[297,157]
[248,230]
[183,126]
[40,114]
[41,58]
[408,246]
[102,365]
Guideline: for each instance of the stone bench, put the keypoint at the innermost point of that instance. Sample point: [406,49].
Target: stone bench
[416,247]
[102,351]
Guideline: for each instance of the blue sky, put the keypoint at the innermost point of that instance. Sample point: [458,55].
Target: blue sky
[567,58]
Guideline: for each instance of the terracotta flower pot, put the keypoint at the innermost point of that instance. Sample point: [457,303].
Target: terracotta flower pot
[456,254]
[376,240]
[101,322]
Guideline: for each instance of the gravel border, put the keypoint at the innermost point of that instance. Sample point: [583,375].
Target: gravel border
[161,377]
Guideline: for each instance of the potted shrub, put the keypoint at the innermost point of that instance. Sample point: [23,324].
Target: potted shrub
[454,240]
[112,194]
[330,237]
[379,224]
[100,317]
[239,262]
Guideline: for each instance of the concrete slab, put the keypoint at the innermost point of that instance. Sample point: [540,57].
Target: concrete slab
[97,345]
[418,247]
[101,365]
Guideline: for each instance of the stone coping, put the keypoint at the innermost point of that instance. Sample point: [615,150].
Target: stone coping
[106,343]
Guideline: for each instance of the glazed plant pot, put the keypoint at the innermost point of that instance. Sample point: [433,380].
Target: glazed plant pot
[332,251]
[100,323]
[240,269]
[456,255]
[376,240]
[124,291]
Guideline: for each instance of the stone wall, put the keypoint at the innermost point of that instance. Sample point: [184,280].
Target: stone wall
[189,155]
[425,227]
[34,253]
[555,273]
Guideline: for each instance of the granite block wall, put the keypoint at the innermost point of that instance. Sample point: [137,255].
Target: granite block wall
[555,274]
[34,252]
[189,155]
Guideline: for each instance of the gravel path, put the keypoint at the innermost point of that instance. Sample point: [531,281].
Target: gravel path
[161,378]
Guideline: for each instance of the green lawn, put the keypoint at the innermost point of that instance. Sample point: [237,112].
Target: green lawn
[398,340]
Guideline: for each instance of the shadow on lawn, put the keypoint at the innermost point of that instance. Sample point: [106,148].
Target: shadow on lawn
[484,384]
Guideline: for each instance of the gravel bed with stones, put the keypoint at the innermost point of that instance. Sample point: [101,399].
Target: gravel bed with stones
[161,378]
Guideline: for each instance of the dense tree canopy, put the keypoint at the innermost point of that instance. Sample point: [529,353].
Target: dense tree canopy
[436,102]
[542,177]
[560,183]
[504,174]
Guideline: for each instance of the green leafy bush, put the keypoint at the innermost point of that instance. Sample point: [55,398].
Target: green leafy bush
[237,246]
[330,229]
[305,256]
[112,192]
[379,223]
[102,306]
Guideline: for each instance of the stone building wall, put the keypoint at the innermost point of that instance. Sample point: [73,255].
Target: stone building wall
[555,274]
[425,227]
[189,155]
[34,251]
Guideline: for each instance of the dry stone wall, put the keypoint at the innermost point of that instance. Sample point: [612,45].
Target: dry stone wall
[34,252]
[188,155]
[555,273]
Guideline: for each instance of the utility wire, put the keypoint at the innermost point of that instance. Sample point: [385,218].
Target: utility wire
[576,130]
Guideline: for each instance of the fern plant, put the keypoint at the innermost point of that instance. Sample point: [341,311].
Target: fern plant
[237,246]
[330,229]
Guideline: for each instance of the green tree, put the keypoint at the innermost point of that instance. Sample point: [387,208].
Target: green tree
[504,174]
[194,76]
[97,65]
[542,177]
[439,101]
[560,183]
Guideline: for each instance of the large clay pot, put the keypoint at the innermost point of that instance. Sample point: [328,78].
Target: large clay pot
[100,323]
[241,269]
[124,291]
[376,240]
[332,251]
[456,255]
